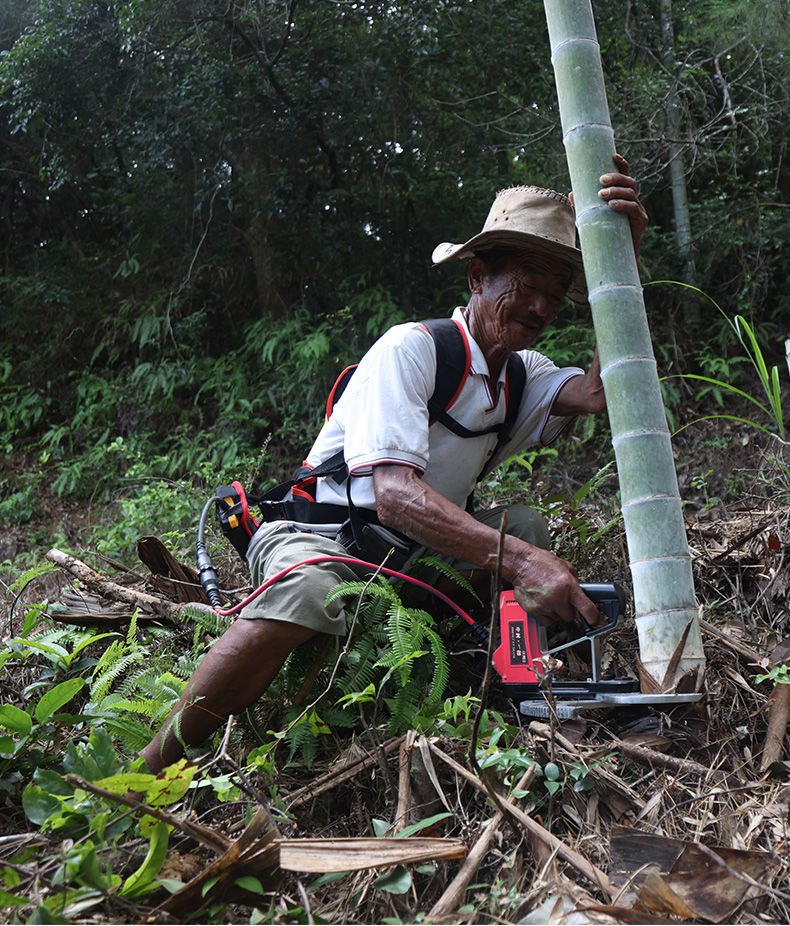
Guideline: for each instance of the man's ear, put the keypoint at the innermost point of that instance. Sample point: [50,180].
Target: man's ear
[477,272]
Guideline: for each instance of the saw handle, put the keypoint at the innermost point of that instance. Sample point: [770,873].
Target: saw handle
[610,599]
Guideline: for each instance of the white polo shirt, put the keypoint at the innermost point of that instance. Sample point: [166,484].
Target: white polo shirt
[382,417]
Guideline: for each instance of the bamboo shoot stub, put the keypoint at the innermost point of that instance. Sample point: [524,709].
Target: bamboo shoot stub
[664,599]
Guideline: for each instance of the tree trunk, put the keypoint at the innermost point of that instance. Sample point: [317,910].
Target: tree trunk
[677,161]
[670,646]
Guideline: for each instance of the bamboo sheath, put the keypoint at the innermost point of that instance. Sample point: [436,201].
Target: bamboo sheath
[658,551]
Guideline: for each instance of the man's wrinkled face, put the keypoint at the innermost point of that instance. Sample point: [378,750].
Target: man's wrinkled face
[522,297]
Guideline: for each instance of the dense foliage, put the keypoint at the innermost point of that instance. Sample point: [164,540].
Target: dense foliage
[209,209]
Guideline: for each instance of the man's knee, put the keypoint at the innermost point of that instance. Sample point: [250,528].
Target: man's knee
[528,525]
[522,521]
[259,638]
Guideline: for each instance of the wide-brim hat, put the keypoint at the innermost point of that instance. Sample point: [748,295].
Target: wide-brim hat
[529,218]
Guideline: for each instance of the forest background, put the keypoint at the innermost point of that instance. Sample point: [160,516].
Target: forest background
[208,209]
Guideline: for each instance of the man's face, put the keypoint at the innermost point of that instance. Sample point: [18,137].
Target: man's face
[522,297]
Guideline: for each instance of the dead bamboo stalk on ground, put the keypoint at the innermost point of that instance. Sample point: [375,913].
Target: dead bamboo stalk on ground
[166,610]
[778,716]
[452,896]
[404,782]
[593,874]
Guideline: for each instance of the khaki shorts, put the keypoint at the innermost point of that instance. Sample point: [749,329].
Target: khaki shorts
[299,596]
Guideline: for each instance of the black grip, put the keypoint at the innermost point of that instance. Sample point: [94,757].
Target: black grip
[610,599]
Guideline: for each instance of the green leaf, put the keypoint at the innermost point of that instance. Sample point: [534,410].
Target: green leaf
[397,881]
[142,880]
[56,697]
[250,883]
[326,879]
[39,806]
[171,885]
[7,745]
[9,900]
[208,885]
[423,824]
[551,771]
[552,786]
[380,827]
[14,718]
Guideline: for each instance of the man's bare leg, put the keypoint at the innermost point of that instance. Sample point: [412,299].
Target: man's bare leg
[234,673]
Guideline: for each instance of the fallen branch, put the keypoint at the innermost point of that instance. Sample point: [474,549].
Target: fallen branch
[452,896]
[338,776]
[593,874]
[165,610]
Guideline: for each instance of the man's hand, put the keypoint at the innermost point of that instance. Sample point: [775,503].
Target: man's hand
[551,593]
[619,190]
[582,395]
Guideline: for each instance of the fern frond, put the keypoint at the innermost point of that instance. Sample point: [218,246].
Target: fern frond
[354,589]
[29,574]
[441,667]
[132,734]
[146,707]
[111,664]
[443,567]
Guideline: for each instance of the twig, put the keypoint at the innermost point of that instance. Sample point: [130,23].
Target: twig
[680,766]
[593,874]
[451,898]
[203,834]
[735,645]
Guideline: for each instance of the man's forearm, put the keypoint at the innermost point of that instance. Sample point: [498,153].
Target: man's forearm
[407,504]
[412,507]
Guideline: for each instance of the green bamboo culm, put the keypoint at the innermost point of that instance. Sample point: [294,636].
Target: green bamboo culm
[664,599]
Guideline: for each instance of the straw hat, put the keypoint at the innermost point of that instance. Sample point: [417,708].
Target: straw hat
[531,218]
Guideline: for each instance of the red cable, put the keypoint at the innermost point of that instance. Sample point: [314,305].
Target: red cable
[345,559]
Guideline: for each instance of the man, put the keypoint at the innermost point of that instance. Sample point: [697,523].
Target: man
[416,476]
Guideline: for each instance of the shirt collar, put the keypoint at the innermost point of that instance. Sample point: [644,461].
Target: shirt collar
[479,364]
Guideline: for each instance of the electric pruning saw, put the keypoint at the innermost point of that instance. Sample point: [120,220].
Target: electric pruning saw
[522,661]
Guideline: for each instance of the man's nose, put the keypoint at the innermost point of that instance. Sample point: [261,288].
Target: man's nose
[539,303]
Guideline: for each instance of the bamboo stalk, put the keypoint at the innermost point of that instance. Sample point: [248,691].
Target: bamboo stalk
[659,557]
